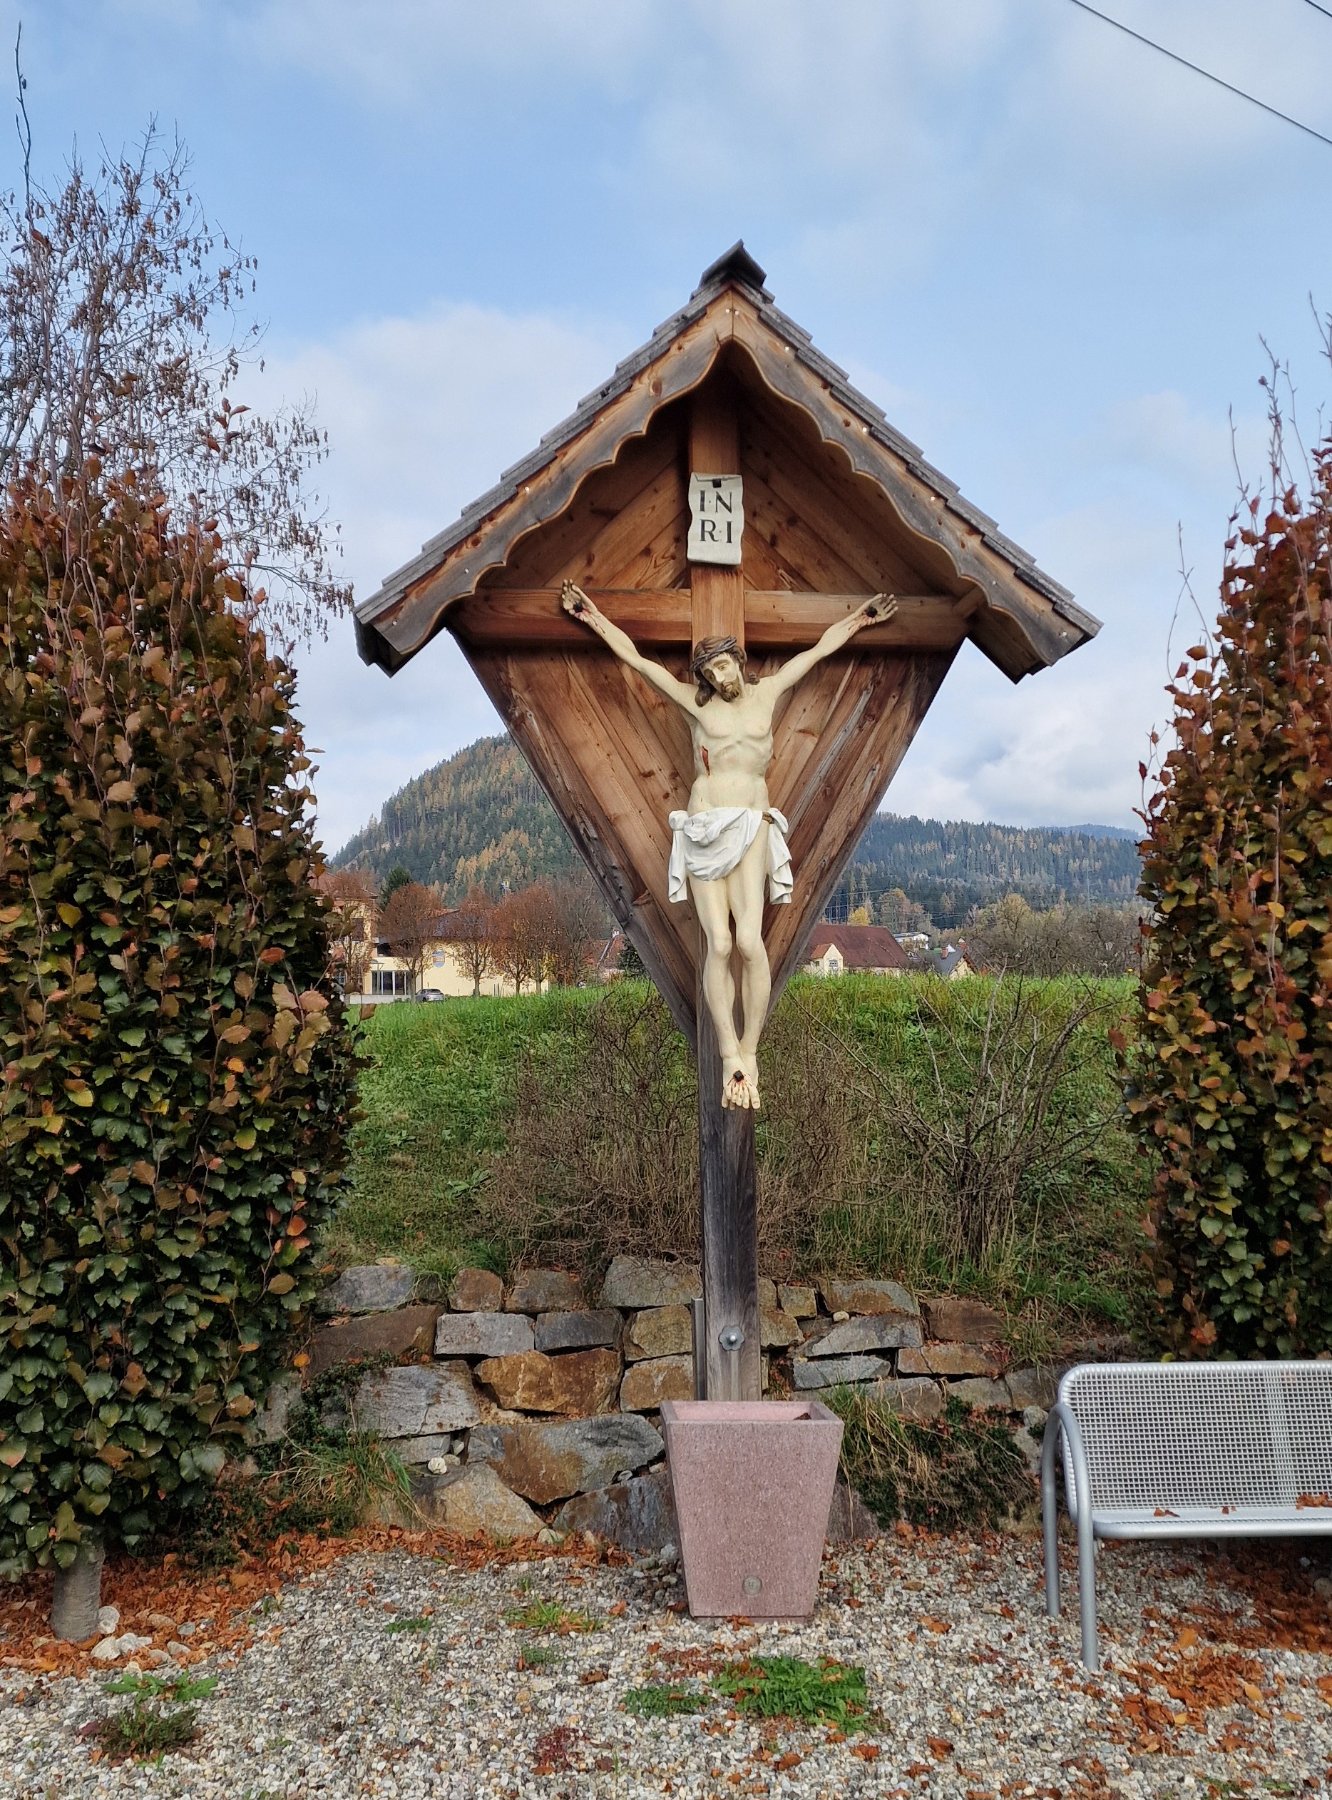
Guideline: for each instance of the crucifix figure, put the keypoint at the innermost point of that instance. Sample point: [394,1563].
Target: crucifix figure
[729,839]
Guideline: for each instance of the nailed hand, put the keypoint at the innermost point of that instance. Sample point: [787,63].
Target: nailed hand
[876,611]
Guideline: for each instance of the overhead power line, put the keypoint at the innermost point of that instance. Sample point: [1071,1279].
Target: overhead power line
[1207,74]
[1317,8]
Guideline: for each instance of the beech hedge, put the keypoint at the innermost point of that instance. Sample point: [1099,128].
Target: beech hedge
[178,1077]
[1233,1065]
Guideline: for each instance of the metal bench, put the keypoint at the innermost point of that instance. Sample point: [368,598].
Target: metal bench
[1183,1450]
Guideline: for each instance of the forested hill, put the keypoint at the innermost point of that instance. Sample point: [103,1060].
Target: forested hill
[481,818]
[478,819]
[949,868]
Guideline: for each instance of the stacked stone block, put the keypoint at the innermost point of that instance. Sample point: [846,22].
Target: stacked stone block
[506,1399]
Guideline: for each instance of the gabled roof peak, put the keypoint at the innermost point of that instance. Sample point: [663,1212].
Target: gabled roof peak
[735,264]
[1023,621]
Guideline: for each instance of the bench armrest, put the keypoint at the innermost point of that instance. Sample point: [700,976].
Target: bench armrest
[1063,1419]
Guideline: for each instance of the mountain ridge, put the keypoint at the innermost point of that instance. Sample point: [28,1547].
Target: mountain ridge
[480,818]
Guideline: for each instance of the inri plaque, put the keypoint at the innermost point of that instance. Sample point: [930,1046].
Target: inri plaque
[716,519]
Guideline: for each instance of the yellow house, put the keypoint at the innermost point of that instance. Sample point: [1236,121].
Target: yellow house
[447,972]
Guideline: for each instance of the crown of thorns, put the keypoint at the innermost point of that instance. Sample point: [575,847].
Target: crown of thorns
[708,649]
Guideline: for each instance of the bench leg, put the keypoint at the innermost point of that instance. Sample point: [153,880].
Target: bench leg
[1087,1588]
[1050,1521]
[1061,1419]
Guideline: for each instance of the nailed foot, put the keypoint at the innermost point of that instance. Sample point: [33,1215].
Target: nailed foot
[739,1089]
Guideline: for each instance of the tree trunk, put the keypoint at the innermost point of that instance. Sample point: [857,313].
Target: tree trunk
[78,1593]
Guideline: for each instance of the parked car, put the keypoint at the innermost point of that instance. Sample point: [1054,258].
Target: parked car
[428,994]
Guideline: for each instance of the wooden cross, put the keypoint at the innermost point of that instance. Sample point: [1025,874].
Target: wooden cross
[882,710]
[837,507]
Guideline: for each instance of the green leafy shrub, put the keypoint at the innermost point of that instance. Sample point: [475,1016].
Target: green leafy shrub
[177,1076]
[1233,1066]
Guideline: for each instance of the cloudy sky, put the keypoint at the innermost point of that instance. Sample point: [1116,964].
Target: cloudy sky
[1051,254]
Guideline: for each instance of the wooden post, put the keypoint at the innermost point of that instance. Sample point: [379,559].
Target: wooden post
[728,1187]
[730,1363]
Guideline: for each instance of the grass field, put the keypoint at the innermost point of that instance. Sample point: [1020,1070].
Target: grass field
[960,1136]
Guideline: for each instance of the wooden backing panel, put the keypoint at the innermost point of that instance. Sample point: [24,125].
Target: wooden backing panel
[763,567]
[660,563]
[642,466]
[719,592]
[529,618]
[653,746]
[850,514]
[864,691]
[607,830]
[629,743]
[659,507]
[855,771]
[801,724]
[813,563]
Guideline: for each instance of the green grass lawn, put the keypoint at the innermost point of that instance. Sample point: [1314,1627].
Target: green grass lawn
[436,1102]
[561,1126]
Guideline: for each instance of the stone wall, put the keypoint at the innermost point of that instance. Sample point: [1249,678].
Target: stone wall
[533,1406]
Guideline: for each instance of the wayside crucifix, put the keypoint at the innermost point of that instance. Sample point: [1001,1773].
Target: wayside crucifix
[729,839]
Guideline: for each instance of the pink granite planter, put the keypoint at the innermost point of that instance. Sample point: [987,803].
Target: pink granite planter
[753,1485]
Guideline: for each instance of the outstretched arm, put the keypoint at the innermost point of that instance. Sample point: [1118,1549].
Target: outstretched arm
[576,603]
[873,612]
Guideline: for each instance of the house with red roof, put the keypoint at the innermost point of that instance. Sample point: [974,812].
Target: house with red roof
[854,950]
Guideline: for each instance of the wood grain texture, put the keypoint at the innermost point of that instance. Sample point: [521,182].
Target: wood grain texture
[850,514]
[534,618]
[775,619]
[640,471]
[1045,636]
[714,449]
[728,1198]
[811,562]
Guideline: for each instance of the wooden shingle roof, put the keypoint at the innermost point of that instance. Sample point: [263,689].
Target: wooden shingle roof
[1019,616]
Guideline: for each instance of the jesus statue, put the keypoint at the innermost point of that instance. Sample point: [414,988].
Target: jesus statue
[729,839]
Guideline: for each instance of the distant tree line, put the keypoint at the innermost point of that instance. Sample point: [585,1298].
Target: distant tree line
[1013,938]
[480,820]
[948,870]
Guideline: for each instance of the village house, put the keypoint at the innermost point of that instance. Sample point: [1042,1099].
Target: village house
[854,950]
[370,974]
[951,962]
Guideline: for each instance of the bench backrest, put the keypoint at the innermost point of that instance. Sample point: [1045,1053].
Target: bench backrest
[1203,1434]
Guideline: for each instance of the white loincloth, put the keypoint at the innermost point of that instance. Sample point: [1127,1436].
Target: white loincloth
[709,845]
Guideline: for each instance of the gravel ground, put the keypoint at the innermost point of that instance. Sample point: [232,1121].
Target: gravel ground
[975,1694]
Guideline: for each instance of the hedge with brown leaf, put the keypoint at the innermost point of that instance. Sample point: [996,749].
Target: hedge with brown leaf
[178,1079]
[1234,1063]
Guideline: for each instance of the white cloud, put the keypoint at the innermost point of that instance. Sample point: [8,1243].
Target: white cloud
[1180,441]
[423,414]
[422,51]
